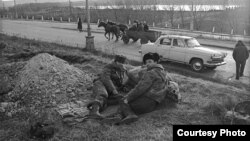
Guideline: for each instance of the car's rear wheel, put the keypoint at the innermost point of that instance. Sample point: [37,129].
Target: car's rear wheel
[197,65]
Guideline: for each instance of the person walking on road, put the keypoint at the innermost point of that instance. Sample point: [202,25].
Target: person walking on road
[79,25]
[240,55]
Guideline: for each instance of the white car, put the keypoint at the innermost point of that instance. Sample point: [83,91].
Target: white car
[186,50]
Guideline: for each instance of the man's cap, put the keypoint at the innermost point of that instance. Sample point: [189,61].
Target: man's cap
[153,56]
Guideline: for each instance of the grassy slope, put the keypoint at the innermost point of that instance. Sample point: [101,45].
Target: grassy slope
[203,102]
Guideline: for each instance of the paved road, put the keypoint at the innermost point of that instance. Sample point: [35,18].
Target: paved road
[62,33]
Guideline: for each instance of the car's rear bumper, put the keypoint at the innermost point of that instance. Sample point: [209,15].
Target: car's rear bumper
[212,64]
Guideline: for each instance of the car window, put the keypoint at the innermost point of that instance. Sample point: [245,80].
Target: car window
[165,41]
[178,43]
[192,42]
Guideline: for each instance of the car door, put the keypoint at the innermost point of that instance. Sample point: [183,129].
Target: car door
[177,51]
[164,47]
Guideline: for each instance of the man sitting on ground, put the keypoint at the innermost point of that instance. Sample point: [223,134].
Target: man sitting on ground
[106,86]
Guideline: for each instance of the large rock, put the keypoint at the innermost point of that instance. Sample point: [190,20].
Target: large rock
[47,81]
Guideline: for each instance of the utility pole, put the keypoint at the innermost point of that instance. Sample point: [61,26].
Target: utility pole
[89,38]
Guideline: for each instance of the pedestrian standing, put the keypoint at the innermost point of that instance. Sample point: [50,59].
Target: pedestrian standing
[240,55]
[79,25]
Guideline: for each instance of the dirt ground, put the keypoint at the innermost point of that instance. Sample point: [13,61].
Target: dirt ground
[203,102]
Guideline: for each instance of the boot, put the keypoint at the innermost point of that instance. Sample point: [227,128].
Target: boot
[129,115]
[94,111]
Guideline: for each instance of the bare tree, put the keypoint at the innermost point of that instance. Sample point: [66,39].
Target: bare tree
[171,14]
[233,17]
[113,6]
[182,11]
[198,14]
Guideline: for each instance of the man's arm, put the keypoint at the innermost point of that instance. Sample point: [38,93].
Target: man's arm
[143,86]
[247,53]
[106,80]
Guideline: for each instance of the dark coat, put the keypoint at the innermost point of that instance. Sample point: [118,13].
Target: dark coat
[151,85]
[112,76]
[79,25]
[146,28]
[240,53]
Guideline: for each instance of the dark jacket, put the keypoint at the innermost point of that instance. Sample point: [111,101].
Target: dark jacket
[79,24]
[112,76]
[151,85]
[146,28]
[240,53]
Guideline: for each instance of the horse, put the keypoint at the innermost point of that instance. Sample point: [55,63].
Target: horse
[114,29]
[122,27]
[111,23]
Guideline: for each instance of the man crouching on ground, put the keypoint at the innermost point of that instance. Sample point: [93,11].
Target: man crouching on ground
[106,86]
[146,95]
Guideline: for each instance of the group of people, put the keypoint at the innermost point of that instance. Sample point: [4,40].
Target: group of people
[137,97]
[141,95]
[139,26]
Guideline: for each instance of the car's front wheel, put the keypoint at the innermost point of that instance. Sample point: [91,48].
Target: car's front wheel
[197,65]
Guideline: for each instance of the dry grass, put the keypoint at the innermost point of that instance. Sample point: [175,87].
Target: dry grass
[204,102]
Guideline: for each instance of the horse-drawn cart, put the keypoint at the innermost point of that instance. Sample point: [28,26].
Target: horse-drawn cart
[145,36]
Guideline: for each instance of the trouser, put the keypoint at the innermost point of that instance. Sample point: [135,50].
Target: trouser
[100,94]
[240,66]
[143,105]
[103,97]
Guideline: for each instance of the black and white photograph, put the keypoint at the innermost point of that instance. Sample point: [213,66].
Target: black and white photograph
[124,70]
